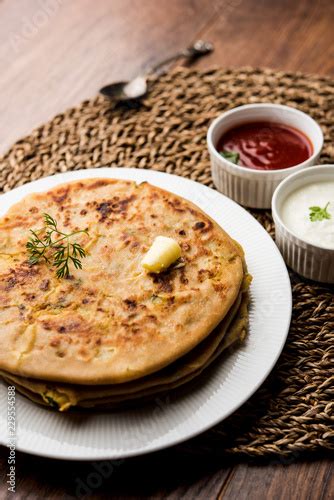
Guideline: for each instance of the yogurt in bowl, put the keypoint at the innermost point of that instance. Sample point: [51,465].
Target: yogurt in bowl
[303,212]
[309,213]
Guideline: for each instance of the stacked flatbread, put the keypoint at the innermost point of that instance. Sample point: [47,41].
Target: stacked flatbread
[113,333]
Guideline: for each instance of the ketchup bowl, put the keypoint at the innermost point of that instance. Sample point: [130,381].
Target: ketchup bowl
[254,147]
[303,212]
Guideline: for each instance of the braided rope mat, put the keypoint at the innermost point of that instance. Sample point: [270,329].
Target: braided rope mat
[292,411]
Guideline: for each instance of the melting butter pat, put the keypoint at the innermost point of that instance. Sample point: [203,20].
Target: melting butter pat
[163,252]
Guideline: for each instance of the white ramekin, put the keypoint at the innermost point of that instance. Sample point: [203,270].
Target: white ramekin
[249,187]
[308,260]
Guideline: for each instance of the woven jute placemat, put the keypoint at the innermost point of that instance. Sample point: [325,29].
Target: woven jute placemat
[293,411]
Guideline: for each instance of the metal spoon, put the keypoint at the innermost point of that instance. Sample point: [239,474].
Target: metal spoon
[136,88]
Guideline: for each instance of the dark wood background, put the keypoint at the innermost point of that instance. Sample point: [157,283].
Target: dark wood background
[53,54]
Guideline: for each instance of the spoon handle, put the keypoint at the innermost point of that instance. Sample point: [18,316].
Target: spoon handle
[197,49]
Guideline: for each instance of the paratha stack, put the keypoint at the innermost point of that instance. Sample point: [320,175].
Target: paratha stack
[111,332]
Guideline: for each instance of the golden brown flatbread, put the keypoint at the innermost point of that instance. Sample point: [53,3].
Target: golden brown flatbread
[112,323]
[61,396]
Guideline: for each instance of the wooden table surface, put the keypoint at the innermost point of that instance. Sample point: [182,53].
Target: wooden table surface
[53,54]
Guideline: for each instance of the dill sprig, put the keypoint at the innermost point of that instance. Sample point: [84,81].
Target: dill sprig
[55,248]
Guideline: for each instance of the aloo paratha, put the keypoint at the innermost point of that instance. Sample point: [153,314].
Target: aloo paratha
[110,322]
[64,396]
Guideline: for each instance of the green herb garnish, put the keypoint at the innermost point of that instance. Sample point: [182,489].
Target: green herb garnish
[50,400]
[55,248]
[318,213]
[231,156]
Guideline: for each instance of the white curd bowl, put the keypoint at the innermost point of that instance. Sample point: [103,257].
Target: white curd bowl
[308,260]
[250,187]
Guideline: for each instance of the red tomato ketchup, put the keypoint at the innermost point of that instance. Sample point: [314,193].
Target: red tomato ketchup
[266,145]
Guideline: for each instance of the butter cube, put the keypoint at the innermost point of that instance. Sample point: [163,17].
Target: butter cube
[163,252]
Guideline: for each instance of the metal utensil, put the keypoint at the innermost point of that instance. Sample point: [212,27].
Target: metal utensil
[136,88]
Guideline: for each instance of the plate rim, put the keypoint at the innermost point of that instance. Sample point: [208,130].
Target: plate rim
[104,171]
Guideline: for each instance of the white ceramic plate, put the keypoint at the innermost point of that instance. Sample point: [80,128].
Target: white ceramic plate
[175,418]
